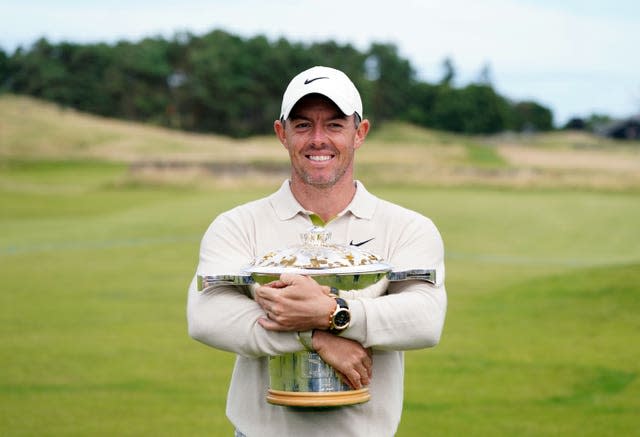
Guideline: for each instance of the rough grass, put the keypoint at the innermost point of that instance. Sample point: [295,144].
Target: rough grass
[395,153]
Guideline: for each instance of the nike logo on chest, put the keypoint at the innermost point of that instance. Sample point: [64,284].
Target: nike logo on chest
[360,243]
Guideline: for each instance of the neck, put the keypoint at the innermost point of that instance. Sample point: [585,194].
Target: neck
[326,202]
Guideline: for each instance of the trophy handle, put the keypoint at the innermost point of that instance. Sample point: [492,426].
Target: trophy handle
[426,275]
[205,282]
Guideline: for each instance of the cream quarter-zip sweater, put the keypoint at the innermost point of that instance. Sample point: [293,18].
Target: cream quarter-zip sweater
[409,315]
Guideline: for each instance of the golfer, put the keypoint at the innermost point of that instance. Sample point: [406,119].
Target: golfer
[321,126]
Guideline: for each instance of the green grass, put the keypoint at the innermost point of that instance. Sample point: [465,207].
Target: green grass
[550,356]
[484,156]
[543,284]
[540,334]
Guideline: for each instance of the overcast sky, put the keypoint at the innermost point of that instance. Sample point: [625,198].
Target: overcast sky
[575,56]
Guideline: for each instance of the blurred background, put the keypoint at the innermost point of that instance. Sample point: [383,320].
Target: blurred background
[127,126]
[216,66]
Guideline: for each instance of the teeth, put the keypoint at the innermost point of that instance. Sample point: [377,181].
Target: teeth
[319,158]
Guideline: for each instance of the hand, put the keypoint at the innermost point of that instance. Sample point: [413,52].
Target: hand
[352,362]
[295,303]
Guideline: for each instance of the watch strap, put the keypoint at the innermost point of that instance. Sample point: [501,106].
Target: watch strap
[341,303]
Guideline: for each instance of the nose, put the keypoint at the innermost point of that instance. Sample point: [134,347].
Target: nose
[318,135]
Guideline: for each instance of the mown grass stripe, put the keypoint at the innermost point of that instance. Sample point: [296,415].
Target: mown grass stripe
[97,245]
[483,258]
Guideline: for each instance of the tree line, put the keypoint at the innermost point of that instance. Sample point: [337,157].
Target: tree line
[222,83]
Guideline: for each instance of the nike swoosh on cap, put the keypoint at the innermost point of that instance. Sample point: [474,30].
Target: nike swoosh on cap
[308,81]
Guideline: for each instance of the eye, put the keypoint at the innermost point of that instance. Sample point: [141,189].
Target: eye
[301,124]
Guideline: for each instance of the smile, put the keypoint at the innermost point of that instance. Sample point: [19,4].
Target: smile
[319,158]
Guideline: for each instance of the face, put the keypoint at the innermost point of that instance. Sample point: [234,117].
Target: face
[321,142]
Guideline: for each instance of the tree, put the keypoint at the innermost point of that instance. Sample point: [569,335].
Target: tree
[472,109]
[40,72]
[139,76]
[391,90]
[420,104]
[531,116]
[485,77]
[449,72]
[220,82]
[4,70]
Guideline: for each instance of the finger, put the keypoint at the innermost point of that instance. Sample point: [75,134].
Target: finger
[275,284]
[294,279]
[266,294]
[368,365]
[259,300]
[270,325]
[354,377]
[289,278]
[260,293]
[266,291]
[365,375]
[344,379]
[265,304]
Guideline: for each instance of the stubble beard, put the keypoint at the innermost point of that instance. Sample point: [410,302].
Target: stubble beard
[323,182]
[318,182]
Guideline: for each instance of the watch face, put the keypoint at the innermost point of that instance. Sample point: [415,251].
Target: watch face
[341,319]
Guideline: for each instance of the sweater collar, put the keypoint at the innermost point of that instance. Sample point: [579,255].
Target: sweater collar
[286,206]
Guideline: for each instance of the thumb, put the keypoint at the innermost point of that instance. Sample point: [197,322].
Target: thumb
[291,278]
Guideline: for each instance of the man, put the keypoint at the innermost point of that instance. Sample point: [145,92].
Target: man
[321,126]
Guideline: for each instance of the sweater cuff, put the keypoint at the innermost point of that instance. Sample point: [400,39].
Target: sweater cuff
[306,339]
[357,329]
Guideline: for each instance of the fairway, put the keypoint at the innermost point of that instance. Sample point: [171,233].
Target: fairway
[540,339]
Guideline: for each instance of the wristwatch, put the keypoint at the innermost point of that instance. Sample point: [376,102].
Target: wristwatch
[341,317]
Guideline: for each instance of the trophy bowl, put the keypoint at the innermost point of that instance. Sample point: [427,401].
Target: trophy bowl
[303,379]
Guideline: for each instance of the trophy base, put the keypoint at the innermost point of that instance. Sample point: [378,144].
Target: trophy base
[318,399]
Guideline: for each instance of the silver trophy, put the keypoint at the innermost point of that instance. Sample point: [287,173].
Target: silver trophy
[303,379]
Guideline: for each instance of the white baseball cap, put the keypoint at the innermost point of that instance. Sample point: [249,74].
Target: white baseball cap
[327,81]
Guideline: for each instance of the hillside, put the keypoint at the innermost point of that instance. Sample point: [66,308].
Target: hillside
[394,153]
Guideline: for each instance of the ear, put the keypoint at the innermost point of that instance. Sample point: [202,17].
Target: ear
[361,133]
[279,129]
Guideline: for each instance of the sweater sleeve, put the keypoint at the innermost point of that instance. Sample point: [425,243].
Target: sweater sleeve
[224,316]
[411,314]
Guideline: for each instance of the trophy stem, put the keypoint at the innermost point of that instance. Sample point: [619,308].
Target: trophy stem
[303,379]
